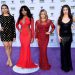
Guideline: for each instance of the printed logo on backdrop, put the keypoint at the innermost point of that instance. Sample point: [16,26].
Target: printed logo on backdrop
[72,13]
[41,1]
[12,1]
[52,34]
[73,0]
[51,14]
[13,8]
[22,1]
[3,2]
[41,7]
[52,1]
[51,40]
[73,7]
[32,1]
[62,0]
[32,8]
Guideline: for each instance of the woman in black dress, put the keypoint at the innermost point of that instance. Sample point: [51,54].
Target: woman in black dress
[65,37]
[7,30]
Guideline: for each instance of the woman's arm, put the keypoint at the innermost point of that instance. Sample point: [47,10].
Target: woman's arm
[0,26]
[17,26]
[32,29]
[13,27]
[52,27]
[73,19]
[36,30]
[58,32]
[73,26]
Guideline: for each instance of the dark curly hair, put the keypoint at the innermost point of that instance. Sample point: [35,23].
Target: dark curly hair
[28,13]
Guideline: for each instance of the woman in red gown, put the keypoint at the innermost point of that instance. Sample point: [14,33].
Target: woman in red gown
[42,36]
[25,63]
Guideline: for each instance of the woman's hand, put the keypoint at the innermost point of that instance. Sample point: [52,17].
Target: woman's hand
[14,39]
[59,38]
[32,40]
[1,29]
[19,30]
[37,39]
[48,33]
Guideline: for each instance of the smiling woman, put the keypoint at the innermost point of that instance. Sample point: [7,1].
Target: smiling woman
[65,37]
[42,36]
[8,33]
[25,63]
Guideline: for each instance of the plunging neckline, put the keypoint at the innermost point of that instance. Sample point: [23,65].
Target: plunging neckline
[66,22]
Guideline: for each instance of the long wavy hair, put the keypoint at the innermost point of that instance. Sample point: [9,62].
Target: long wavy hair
[6,7]
[62,14]
[43,10]
[21,15]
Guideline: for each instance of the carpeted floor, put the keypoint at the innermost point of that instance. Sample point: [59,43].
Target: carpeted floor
[53,56]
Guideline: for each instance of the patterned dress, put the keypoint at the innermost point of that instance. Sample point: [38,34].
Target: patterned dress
[43,40]
[8,25]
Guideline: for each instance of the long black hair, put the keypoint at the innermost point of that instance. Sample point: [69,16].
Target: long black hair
[62,14]
[6,7]
[28,13]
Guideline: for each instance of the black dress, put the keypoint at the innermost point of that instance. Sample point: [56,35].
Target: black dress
[8,25]
[65,45]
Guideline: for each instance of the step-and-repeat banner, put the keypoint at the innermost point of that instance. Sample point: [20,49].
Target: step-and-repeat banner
[53,8]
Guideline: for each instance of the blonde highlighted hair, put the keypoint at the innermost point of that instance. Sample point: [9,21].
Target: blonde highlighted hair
[43,10]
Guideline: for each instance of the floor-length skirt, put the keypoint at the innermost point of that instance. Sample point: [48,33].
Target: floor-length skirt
[65,46]
[25,62]
[43,59]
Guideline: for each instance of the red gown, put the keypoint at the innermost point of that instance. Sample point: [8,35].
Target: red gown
[43,40]
[26,35]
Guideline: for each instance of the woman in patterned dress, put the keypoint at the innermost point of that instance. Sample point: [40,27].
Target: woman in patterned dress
[7,31]
[42,37]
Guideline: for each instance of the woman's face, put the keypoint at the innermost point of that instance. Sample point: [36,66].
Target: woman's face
[65,10]
[4,10]
[42,15]
[24,12]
